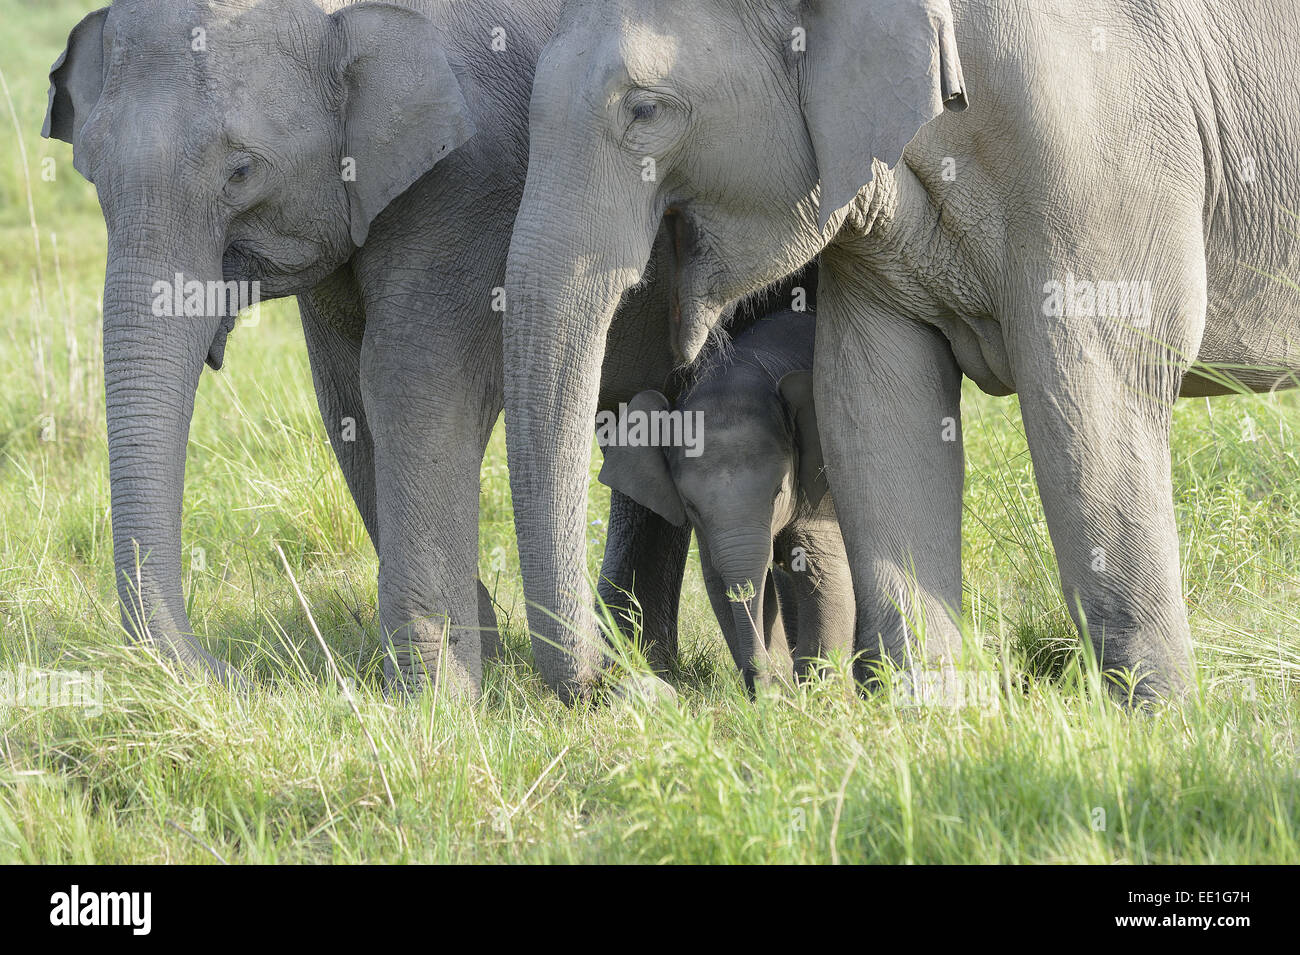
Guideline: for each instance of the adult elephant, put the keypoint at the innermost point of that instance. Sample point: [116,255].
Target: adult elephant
[370,160]
[1094,232]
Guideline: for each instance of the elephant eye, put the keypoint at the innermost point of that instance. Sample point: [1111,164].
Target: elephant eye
[240,166]
[644,112]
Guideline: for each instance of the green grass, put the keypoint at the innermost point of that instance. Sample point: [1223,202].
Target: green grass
[1048,770]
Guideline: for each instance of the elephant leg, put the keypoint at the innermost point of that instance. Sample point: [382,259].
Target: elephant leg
[788,598]
[641,576]
[331,322]
[1096,398]
[488,628]
[780,662]
[888,394]
[432,393]
[821,588]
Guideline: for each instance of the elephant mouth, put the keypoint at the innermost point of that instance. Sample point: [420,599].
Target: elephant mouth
[691,320]
[237,265]
[679,245]
[240,263]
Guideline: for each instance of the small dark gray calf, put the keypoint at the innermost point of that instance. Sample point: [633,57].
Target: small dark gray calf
[751,484]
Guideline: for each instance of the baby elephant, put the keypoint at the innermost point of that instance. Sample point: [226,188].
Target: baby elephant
[741,460]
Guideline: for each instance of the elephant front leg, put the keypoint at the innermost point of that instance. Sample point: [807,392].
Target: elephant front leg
[888,394]
[821,591]
[430,420]
[641,576]
[336,373]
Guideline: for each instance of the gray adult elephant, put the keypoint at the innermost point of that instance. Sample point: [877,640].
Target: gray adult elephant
[370,160]
[1077,200]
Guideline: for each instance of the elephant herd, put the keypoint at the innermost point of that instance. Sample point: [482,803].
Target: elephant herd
[555,207]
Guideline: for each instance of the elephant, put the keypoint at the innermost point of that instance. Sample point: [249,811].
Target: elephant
[370,160]
[752,487]
[1079,203]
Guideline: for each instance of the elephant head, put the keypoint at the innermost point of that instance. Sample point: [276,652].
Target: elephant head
[758,465]
[748,126]
[229,141]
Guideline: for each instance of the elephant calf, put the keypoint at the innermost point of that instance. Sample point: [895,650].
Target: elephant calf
[751,483]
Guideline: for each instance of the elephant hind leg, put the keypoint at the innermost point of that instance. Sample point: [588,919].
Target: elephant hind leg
[1096,396]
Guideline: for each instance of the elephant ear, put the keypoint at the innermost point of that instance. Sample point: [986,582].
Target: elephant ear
[76,81]
[642,472]
[797,390]
[876,72]
[404,109]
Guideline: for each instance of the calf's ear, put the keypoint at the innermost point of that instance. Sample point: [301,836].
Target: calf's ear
[797,390]
[642,472]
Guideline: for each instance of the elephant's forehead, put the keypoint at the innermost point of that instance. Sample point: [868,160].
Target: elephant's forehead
[218,43]
[165,25]
[692,45]
[647,50]
[163,15]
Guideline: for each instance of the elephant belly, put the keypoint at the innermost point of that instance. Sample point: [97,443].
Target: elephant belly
[1252,331]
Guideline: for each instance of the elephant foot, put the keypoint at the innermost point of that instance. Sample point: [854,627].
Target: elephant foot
[196,663]
[640,689]
[1139,686]
[660,651]
[412,683]
[437,668]
[226,675]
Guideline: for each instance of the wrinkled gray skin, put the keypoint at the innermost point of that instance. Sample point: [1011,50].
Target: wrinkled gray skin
[755,496]
[227,164]
[1109,140]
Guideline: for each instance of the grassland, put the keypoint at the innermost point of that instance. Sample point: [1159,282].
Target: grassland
[1047,770]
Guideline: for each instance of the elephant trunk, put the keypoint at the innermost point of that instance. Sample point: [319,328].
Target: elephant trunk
[152,364]
[561,303]
[741,559]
